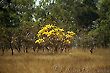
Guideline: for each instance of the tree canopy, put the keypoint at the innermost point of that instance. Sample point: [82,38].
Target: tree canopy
[22,19]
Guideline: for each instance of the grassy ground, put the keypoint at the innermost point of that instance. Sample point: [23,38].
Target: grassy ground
[77,61]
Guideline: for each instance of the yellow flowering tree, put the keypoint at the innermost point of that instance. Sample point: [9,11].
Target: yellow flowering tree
[53,37]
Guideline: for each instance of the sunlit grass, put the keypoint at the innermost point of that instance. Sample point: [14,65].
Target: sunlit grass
[75,61]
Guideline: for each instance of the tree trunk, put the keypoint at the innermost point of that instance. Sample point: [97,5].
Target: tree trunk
[3,50]
[26,50]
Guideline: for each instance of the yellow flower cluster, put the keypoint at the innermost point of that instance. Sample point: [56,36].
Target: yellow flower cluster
[50,31]
[67,41]
[69,34]
[45,30]
[39,41]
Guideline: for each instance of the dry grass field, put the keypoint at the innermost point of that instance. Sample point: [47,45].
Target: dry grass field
[76,61]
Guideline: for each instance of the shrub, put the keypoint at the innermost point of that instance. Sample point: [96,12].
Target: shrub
[53,37]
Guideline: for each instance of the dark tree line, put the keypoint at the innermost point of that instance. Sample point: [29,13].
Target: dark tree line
[20,20]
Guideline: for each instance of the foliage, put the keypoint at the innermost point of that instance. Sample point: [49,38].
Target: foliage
[55,37]
[13,16]
[21,19]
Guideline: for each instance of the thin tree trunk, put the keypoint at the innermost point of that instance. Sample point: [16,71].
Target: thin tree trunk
[26,50]
[3,51]
[10,44]
[12,51]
